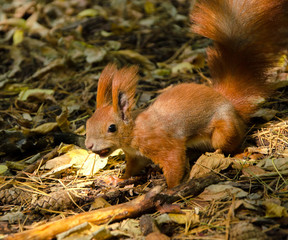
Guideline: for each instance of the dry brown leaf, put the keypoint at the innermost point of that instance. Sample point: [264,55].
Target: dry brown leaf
[210,162]
[169,208]
[253,171]
[99,203]
[45,128]
[221,191]
[136,58]
[156,236]
[63,121]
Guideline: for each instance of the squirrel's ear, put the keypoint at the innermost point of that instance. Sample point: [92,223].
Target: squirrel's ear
[104,91]
[123,91]
[123,106]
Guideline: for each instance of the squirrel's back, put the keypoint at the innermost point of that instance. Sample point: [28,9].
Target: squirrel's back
[248,38]
[184,109]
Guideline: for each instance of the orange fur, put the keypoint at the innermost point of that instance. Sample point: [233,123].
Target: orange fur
[104,90]
[125,81]
[248,37]
[164,149]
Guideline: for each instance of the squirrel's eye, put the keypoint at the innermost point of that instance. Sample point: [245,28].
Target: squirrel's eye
[112,128]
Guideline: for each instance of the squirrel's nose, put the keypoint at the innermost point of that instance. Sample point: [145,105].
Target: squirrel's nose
[89,145]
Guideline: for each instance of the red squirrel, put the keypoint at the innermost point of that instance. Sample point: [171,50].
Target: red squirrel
[248,39]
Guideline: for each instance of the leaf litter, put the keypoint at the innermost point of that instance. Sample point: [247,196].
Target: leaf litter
[52,53]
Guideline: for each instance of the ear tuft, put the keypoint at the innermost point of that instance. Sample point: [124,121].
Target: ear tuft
[123,90]
[104,91]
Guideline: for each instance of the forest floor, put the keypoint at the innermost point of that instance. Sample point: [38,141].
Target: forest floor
[51,57]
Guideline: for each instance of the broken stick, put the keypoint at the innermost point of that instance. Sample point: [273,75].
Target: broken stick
[142,204]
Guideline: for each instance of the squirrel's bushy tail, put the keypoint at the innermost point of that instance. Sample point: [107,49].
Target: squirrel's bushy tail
[248,38]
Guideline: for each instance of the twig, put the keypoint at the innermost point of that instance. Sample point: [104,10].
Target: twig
[136,207]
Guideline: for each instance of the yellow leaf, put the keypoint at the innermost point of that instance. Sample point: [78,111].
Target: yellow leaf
[18,36]
[99,203]
[88,13]
[3,169]
[77,155]
[274,210]
[184,218]
[87,163]
[66,148]
[283,60]
[199,61]
[92,164]
[149,7]
[183,67]
[178,218]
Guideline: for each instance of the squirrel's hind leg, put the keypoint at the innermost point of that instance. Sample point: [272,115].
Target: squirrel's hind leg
[227,135]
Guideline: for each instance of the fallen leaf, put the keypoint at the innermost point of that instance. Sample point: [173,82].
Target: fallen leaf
[157,236]
[57,162]
[135,57]
[149,7]
[99,202]
[57,170]
[131,226]
[269,164]
[17,22]
[87,163]
[62,120]
[88,13]
[24,94]
[3,168]
[163,218]
[91,165]
[208,162]
[169,208]
[13,217]
[94,54]
[251,171]
[274,210]
[18,36]
[102,233]
[221,191]
[45,128]
[183,67]
[245,204]
[188,217]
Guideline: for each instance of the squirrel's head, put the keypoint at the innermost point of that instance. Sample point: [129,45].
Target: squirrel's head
[111,125]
